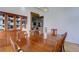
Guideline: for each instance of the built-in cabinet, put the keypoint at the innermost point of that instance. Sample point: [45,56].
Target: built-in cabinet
[9,21]
[11,26]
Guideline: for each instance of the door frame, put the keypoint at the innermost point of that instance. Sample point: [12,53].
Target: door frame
[33,14]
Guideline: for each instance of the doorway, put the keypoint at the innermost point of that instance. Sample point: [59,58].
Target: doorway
[36,21]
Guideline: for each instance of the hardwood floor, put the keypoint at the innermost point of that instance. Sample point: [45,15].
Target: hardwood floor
[71,47]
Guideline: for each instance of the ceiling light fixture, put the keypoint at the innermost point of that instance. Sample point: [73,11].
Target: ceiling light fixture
[44,9]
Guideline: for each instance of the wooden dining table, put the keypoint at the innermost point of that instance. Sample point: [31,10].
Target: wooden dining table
[41,45]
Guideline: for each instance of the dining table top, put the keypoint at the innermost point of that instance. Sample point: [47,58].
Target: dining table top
[40,45]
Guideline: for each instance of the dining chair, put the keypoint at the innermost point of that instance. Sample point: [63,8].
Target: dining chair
[21,40]
[59,46]
[36,37]
[15,46]
[54,32]
[64,37]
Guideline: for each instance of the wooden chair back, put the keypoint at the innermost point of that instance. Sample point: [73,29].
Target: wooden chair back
[36,37]
[12,34]
[15,46]
[64,37]
[59,47]
[36,32]
[21,40]
[54,32]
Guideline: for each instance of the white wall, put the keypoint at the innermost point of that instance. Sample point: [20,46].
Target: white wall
[65,20]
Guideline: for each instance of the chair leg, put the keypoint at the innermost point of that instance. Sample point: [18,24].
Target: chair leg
[63,49]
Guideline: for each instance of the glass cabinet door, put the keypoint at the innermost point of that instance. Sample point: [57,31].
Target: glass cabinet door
[18,22]
[2,24]
[10,22]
